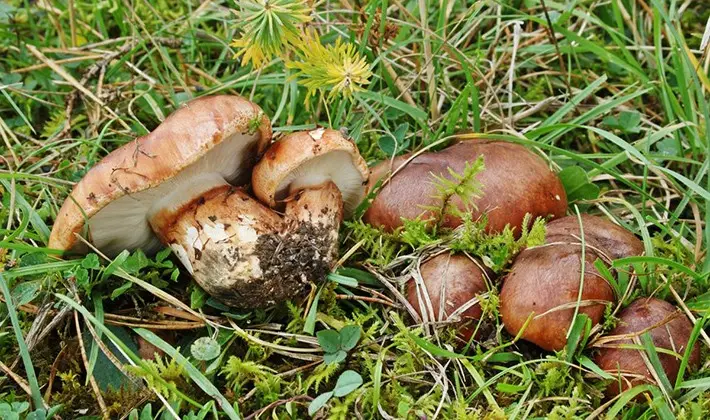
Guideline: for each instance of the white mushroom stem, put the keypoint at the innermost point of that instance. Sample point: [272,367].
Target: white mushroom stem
[318,208]
[244,253]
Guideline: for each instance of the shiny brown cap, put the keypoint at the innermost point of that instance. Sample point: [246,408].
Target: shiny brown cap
[515,182]
[670,332]
[451,282]
[611,239]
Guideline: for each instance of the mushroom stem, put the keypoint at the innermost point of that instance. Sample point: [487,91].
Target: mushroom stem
[321,205]
[244,253]
[315,213]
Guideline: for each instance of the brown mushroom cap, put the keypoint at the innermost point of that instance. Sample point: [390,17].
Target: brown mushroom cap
[545,281]
[669,330]
[208,141]
[459,279]
[611,239]
[515,182]
[307,158]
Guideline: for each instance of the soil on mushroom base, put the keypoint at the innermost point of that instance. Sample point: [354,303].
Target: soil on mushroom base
[288,262]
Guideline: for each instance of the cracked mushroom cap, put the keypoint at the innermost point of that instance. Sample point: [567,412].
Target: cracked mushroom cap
[310,158]
[209,141]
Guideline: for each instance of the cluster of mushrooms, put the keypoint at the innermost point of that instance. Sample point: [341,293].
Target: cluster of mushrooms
[541,293]
[184,185]
[256,222]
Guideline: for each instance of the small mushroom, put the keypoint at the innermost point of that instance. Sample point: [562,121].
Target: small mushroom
[460,280]
[515,182]
[305,159]
[670,332]
[175,186]
[544,281]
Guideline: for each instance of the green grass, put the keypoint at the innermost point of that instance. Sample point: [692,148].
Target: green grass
[619,101]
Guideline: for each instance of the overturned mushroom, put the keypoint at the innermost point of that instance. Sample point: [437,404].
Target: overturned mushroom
[515,182]
[175,187]
[670,333]
[544,282]
[459,280]
[211,142]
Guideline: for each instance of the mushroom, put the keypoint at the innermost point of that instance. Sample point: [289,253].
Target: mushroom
[545,280]
[609,238]
[320,177]
[175,187]
[670,333]
[460,280]
[211,142]
[515,182]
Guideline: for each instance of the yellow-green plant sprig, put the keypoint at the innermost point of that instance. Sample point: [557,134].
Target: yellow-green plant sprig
[335,68]
[270,28]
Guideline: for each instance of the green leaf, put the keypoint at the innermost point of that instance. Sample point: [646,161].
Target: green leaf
[310,325]
[121,290]
[25,292]
[360,276]
[396,143]
[650,348]
[348,382]
[577,185]
[318,402]
[198,297]
[197,377]
[624,399]
[115,264]
[606,274]
[81,275]
[106,374]
[387,101]
[329,340]
[20,407]
[91,262]
[163,254]
[337,357]
[136,262]
[349,336]
[344,280]
[22,346]
[205,348]
[579,332]
[38,414]
[589,364]
[433,348]
[147,412]
[626,122]
[510,388]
